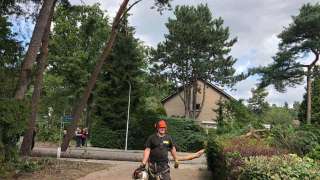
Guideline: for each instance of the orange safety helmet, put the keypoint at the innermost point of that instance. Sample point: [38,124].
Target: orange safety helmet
[161,124]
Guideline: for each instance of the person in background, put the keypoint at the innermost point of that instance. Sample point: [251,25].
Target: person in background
[78,137]
[84,136]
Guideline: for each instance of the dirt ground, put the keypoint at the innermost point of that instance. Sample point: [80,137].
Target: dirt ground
[71,169]
[121,170]
[63,170]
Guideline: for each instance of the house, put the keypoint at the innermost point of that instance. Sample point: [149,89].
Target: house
[208,98]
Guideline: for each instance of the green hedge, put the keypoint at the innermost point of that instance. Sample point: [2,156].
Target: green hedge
[188,136]
[280,167]
[103,136]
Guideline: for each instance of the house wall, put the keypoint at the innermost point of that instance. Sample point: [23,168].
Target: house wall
[212,98]
[175,106]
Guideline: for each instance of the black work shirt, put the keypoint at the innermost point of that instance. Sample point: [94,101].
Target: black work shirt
[159,147]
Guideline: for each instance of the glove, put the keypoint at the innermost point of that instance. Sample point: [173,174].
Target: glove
[142,166]
[176,164]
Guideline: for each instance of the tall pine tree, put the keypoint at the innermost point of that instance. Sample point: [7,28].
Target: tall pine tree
[301,37]
[196,47]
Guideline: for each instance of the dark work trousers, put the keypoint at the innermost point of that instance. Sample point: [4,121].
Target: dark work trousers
[161,170]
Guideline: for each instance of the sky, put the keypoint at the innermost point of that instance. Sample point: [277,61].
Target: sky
[255,23]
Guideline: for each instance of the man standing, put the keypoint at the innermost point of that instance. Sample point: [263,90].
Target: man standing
[156,153]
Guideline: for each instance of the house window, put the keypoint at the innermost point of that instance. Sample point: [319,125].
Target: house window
[197,106]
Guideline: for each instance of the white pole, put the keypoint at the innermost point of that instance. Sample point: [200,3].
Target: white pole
[128,117]
[60,137]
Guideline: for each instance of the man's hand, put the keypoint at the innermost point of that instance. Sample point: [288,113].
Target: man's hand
[199,153]
[176,164]
[142,166]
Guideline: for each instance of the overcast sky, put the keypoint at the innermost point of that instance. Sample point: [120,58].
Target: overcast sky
[255,23]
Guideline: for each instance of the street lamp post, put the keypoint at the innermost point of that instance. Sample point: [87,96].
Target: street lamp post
[128,116]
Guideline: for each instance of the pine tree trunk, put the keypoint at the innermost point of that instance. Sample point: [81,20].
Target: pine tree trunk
[41,65]
[34,46]
[185,101]
[309,96]
[203,99]
[91,83]
[188,101]
[309,88]
[194,98]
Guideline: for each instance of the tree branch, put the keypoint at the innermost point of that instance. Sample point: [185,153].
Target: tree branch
[128,9]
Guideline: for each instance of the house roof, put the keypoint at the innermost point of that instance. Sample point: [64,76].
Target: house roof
[208,83]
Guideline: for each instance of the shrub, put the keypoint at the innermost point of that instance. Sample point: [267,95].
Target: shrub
[315,153]
[13,115]
[239,148]
[247,147]
[280,167]
[215,159]
[297,141]
[48,134]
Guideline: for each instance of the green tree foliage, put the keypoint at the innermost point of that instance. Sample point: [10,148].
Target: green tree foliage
[10,55]
[257,103]
[234,115]
[295,109]
[13,117]
[301,37]
[315,99]
[158,88]
[13,114]
[78,35]
[197,46]
[9,7]
[278,116]
[123,69]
